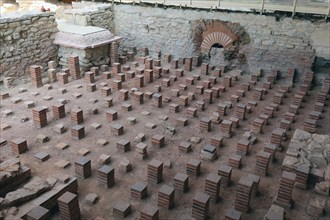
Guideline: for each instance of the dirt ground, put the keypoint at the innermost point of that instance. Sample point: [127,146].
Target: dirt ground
[123,181]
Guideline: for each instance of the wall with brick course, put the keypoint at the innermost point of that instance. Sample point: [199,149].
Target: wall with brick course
[26,40]
[272,44]
[266,43]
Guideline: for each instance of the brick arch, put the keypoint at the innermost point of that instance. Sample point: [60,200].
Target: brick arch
[215,38]
[217,32]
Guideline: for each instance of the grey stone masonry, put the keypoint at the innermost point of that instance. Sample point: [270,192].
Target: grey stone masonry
[89,14]
[269,44]
[26,40]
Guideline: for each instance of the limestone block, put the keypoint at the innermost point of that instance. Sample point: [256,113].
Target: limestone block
[90,199]
[316,207]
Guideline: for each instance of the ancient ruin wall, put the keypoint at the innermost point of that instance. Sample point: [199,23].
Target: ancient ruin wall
[273,44]
[26,40]
[267,43]
[88,14]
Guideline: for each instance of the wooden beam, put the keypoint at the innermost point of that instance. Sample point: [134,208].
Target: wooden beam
[294,8]
[327,15]
[262,6]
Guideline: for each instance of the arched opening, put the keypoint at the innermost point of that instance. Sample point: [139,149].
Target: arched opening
[216,54]
[219,41]
[216,48]
[217,45]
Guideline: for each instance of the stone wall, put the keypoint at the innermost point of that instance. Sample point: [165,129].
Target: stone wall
[264,41]
[87,58]
[169,31]
[26,40]
[88,14]
[273,44]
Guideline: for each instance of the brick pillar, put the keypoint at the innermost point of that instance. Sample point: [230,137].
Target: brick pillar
[114,53]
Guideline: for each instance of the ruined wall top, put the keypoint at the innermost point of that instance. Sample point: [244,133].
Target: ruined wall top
[21,16]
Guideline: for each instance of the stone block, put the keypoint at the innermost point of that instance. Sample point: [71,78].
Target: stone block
[47,97]
[95,125]
[125,166]
[140,137]
[7,113]
[60,128]
[83,152]
[41,138]
[62,163]
[316,207]
[42,156]
[62,146]
[90,199]
[131,120]
[151,125]
[29,104]
[104,159]
[102,142]
[5,126]
[16,100]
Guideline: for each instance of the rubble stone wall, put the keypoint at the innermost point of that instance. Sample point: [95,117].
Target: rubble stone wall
[88,14]
[273,44]
[26,40]
[87,58]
